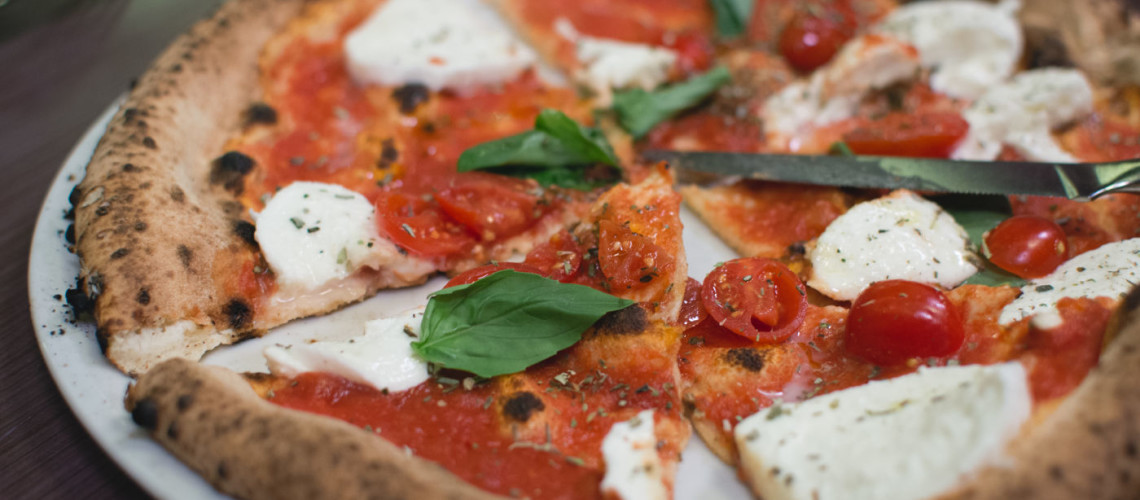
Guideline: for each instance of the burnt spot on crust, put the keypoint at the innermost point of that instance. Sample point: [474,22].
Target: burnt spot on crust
[229,171]
[149,143]
[223,471]
[388,154]
[260,113]
[140,226]
[69,234]
[145,413]
[82,306]
[238,313]
[631,320]
[246,232]
[1044,48]
[797,248]
[184,401]
[1132,300]
[120,253]
[101,336]
[185,255]
[521,405]
[177,195]
[745,357]
[172,430]
[143,297]
[130,167]
[410,96]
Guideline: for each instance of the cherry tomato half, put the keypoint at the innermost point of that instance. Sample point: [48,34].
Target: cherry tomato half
[629,260]
[928,135]
[810,41]
[692,309]
[895,320]
[1027,245]
[759,299]
[491,206]
[559,258]
[478,273]
[414,222]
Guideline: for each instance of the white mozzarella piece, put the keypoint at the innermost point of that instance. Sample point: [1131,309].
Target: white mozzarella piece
[312,233]
[1023,112]
[969,46]
[898,236]
[633,468]
[1109,271]
[382,357]
[833,92]
[910,437]
[614,64]
[458,44]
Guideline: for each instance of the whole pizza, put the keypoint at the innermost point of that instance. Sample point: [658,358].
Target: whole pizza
[287,158]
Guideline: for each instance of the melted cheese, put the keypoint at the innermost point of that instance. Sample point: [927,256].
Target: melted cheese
[899,236]
[633,468]
[1023,112]
[614,64]
[833,92]
[910,437]
[382,357]
[312,233]
[969,46]
[1109,271]
[458,44]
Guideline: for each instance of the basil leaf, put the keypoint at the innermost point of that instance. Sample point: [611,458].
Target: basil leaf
[978,214]
[732,16]
[567,177]
[639,111]
[529,149]
[589,142]
[508,321]
[840,148]
[993,275]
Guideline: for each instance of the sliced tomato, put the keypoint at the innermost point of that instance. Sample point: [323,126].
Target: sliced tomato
[810,40]
[559,258]
[491,206]
[629,260]
[695,52]
[759,299]
[896,320]
[692,309]
[926,135]
[1027,245]
[478,273]
[415,222]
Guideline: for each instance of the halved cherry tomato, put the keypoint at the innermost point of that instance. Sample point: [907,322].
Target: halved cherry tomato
[558,258]
[478,273]
[759,299]
[419,226]
[810,41]
[695,51]
[928,135]
[1027,245]
[895,320]
[491,206]
[629,260]
[692,309]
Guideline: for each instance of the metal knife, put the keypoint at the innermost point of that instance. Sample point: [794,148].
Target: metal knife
[1077,181]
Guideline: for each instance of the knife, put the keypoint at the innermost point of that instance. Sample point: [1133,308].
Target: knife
[1077,181]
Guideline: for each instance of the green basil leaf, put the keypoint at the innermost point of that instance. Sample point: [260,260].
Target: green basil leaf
[567,177]
[978,214]
[993,275]
[534,149]
[508,321]
[639,111]
[732,16]
[840,148]
[591,143]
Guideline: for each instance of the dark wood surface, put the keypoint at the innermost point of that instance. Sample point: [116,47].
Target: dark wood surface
[59,69]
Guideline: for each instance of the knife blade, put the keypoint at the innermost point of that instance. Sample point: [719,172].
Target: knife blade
[1078,181]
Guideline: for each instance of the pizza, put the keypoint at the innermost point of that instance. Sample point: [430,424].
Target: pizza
[287,158]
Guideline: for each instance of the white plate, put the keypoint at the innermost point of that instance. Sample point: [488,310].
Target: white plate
[94,389]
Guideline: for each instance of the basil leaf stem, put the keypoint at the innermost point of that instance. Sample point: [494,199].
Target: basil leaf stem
[732,16]
[639,111]
[507,322]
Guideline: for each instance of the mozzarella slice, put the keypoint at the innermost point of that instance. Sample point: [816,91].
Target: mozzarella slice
[898,236]
[1023,112]
[312,233]
[382,357]
[458,44]
[910,437]
[633,468]
[1109,271]
[833,92]
[969,46]
[614,64]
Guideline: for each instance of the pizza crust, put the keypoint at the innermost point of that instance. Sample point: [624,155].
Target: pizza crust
[214,422]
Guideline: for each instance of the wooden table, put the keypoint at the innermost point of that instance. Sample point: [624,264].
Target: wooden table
[60,70]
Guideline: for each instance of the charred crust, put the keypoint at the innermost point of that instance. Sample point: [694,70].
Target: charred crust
[102,210]
[797,248]
[238,313]
[130,167]
[145,413]
[69,234]
[388,154]
[149,143]
[1044,49]
[184,401]
[177,194]
[260,113]
[143,296]
[1130,449]
[229,171]
[1057,473]
[246,231]
[631,320]
[745,357]
[410,96]
[223,471]
[120,253]
[521,405]
[185,255]
[82,306]
[1132,300]
[172,430]
[140,226]
[74,196]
